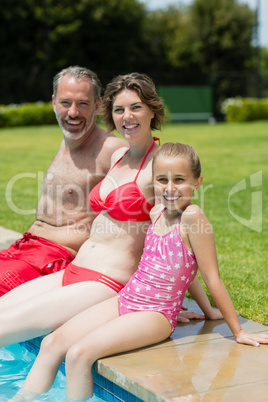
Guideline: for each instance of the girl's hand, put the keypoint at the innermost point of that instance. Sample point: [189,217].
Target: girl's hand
[251,339]
[186,316]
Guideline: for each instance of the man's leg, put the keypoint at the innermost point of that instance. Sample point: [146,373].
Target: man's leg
[29,258]
[14,273]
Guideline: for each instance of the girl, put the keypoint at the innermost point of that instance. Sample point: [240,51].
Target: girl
[178,242]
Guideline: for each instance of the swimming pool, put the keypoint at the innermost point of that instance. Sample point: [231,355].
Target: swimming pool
[15,363]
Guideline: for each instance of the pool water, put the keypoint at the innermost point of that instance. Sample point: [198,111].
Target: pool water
[15,363]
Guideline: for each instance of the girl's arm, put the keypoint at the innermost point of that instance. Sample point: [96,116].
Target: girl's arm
[199,295]
[202,241]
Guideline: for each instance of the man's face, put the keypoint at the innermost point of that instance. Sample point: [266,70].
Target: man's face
[75,107]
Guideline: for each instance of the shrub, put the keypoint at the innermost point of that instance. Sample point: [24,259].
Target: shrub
[27,114]
[244,109]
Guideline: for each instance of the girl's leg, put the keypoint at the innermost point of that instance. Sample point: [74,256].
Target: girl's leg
[43,313]
[124,333]
[54,346]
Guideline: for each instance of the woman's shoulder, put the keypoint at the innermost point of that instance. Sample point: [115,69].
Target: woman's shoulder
[156,211]
[118,154]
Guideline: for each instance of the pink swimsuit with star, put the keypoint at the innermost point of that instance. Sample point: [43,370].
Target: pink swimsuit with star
[165,272]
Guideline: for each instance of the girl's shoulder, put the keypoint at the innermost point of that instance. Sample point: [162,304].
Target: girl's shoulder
[194,221]
[191,214]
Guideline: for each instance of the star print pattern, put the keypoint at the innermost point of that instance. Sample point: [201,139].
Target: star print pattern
[165,272]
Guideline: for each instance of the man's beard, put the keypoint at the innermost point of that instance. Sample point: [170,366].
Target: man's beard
[69,135]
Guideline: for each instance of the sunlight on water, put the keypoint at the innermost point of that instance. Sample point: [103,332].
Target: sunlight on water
[15,363]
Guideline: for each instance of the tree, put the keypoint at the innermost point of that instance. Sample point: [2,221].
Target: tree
[264,60]
[207,41]
[222,33]
[264,70]
[38,38]
[22,38]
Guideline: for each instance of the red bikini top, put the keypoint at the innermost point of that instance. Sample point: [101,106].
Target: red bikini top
[124,203]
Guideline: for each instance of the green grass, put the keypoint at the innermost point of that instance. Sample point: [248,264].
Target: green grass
[25,151]
[230,153]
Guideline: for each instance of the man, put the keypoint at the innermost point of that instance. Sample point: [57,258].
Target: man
[63,218]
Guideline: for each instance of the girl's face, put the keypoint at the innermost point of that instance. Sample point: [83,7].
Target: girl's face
[174,182]
[131,116]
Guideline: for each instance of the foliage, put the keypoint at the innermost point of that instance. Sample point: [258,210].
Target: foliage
[168,32]
[198,45]
[245,109]
[175,45]
[204,36]
[217,31]
[104,35]
[229,153]
[23,42]
[27,114]
[264,59]
[264,70]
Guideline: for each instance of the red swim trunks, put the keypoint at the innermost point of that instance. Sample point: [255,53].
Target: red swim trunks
[74,274]
[28,258]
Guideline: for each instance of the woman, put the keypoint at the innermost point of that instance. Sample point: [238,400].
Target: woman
[123,200]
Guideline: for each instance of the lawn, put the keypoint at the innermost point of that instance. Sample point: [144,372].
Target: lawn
[234,195]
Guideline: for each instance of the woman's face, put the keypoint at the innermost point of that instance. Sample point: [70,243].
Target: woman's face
[131,116]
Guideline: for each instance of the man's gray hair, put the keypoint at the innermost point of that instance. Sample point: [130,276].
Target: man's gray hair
[78,73]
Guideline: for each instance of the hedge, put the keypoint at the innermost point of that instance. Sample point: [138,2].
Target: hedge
[27,114]
[245,109]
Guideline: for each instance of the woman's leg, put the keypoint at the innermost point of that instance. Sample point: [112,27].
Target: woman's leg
[24,396]
[43,313]
[124,333]
[30,289]
[54,346]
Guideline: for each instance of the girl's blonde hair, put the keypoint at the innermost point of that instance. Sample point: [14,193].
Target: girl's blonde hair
[145,88]
[175,149]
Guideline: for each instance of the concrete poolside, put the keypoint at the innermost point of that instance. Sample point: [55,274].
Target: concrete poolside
[200,362]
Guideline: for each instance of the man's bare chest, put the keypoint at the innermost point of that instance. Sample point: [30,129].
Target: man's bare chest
[70,180]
